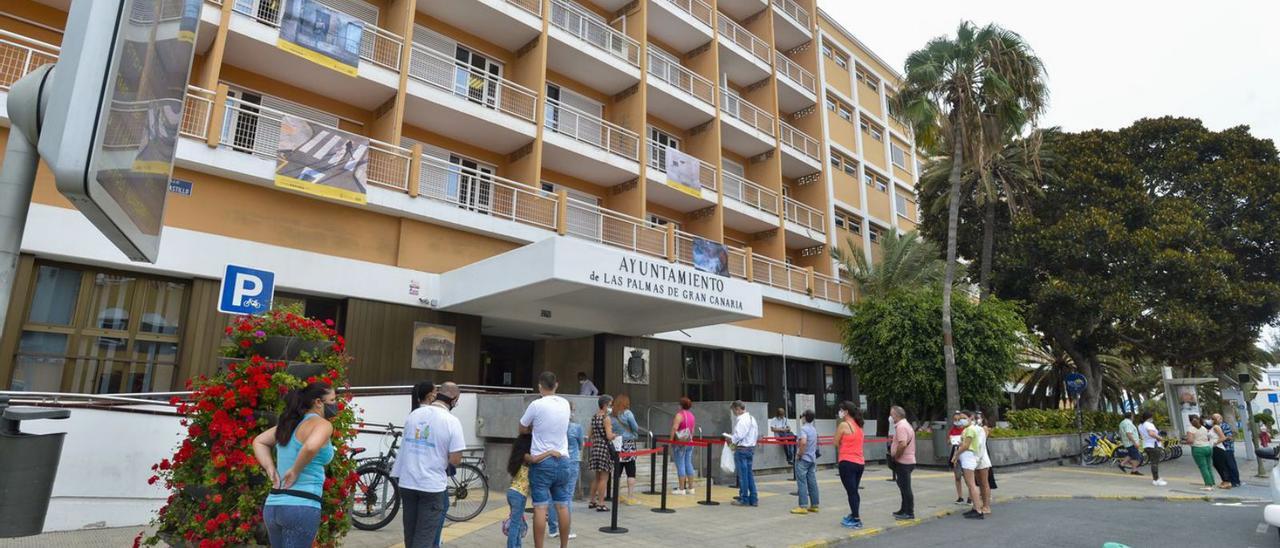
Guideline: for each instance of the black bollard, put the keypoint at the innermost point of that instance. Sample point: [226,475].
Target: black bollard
[652,474]
[613,519]
[708,501]
[666,449]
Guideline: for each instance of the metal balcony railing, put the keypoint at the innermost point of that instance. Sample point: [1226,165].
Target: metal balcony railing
[572,19]
[658,161]
[697,8]
[804,215]
[592,222]
[378,46]
[796,73]
[738,263]
[486,193]
[592,130]
[442,71]
[793,10]
[19,55]
[733,32]
[775,273]
[531,6]
[751,194]
[798,140]
[831,289]
[741,109]
[682,78]
[195,113]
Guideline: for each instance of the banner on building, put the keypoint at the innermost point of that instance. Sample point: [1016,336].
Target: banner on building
[683,172]
[635,365]
[709,256]
[321,34]
[433,346]
[321,160]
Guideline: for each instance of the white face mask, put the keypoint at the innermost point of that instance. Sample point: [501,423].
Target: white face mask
[962,422]
[1208,422]
[841,413]
[609,410]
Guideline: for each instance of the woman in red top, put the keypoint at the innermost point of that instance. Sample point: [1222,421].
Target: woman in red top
[848,442]
[953,436]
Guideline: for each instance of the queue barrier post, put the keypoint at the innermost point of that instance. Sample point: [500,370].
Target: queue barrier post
[652,472]
[613,528]
[708,501]
[666,451]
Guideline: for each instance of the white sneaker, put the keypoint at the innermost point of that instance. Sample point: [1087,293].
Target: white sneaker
[557,533]
[573,536]
[677,492]
[1160,483]
[689,492]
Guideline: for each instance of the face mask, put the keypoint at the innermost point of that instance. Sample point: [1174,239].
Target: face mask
[330,410]
[582,381]
[842,414]
[1208,423]
[962,422]
[609,410]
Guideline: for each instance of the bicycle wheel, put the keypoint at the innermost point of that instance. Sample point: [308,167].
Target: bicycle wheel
[377,498]
[468,493]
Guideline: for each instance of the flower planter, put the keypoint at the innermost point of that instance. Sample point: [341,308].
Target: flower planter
[288,348]
[303,371]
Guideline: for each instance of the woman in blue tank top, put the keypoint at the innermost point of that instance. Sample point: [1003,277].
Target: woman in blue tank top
[301,439]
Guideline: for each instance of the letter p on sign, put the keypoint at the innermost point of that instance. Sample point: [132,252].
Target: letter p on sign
[246,290]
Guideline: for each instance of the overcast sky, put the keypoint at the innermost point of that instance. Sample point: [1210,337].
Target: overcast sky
[1113,62]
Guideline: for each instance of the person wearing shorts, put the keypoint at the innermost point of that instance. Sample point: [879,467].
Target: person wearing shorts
[550,481]
[953,436]
[1130,439]
[976,464]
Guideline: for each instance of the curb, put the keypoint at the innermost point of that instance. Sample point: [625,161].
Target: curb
[873,531]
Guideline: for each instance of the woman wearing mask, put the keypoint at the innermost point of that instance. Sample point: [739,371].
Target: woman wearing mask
[292,510]
[972,457]
[683,425]
[958,423]
[601,453]
[848,442]
[1201,442]
[624,423]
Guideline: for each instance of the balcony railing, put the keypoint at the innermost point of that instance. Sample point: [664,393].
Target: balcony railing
[572,19]
[734,32]
[20,55]
[751,194]
[773,272]
[741,109]
[738,263]
[255,129]
[592,222]
[682,78]
[531,6]
[697,8]
[378,46]
[592,130]
[793,10]
[796,73]
[195,113]
[442,71]
[800,141]
[658,161]
[831,289]
[486,193]
[804,215]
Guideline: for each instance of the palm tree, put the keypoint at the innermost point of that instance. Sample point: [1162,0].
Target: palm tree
[977,88]
[907,261]
[1045,369]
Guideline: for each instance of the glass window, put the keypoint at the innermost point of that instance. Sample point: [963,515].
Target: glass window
[836,384]
[868,178]
[831,104]
[882,184]
[701,367]
[752,378]
[875,234]
[54,300]
[39,364]
[846,113]
[900,202]
[899,155]
[800,380]
[875,134]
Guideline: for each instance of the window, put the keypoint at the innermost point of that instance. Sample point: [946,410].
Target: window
[699,377]
[848,221]
[800,380]
[843,163]
[753,382]
[841,58]
[831,104]
[658,142]
[875,131]
[882,184]
[836,384]
[868,80]
[835,105]
[658,220]
[901,202]
[874,232]
[899,155]
[846,113]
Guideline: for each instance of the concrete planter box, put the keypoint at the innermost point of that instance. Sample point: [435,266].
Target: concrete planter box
[1011,451]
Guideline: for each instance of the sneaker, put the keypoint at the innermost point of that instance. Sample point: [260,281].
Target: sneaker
[971,512]
[813,509]
[1206,488]
[800,511]
[975,515]
[738,503]
[573,536]
[903,517]
[689,492]
[553,534]
[850,523]
[678,492]
[1160,483]
[960,500]
[969,502]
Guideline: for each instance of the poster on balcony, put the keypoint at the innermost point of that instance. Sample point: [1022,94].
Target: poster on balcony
[322,35]
[709,256]
[683,172]
[321,160]
[433,346]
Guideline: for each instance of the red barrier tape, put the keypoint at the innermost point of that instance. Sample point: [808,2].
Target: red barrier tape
[684,443]
[629,454]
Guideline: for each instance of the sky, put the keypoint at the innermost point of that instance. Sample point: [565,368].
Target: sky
[1111,63]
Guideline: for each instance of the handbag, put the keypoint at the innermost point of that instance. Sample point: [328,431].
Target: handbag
[684,434]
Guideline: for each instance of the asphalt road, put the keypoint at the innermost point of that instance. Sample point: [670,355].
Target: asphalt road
[1089,523]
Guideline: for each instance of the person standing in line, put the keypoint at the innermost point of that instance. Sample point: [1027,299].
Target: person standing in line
[904,458]
[601,458]
[422,394]
[1224,455]
[291,512]
[1151,445]
[550,481]
[958,422]
[970,456]
[743,441]
[433,441]
[575,435]
[586,387]
[849,456]
[1229,445]
[518,466]
[780,427]
[683,425]
[806,465]
[1201,450]
[624,424]
[1130,439]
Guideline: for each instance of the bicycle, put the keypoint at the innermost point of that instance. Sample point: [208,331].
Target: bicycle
[468,488]
[377,494]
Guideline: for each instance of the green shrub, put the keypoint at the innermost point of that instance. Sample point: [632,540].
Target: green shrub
[1265,418]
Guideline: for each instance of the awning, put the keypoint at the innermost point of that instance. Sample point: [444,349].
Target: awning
[561,287]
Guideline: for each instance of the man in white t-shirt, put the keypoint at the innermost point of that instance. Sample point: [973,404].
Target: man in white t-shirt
[433,440]
[1151,445]
[550,481]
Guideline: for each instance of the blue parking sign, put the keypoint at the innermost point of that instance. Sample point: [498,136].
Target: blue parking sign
[246,290]
[1272,398]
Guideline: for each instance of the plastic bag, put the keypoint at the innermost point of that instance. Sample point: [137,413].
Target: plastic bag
[726,459]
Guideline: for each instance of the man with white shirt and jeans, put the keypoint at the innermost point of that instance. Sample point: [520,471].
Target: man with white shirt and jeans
[433,440]
[743,439]
[550,481]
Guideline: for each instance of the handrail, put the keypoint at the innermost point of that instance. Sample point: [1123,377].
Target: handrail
[439,70]
[793,10]
[772,272]
[683,79]
[197,108]
[800,141]
[531,6]
[741,109]
[737,263]
[593,130]
[162,398]
[831,289]
[486,193]
[589,29]
[617,229]
[743,38]
[19,55]
[796,73]
[706,171]
[805,215]
[751,194]
[697,8]
[373,45]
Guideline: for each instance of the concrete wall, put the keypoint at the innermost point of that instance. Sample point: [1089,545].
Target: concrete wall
[1009,451]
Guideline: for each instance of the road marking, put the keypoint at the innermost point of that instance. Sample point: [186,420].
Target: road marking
[1262,527]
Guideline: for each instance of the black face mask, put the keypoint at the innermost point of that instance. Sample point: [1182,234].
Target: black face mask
[330,410]
[446,400]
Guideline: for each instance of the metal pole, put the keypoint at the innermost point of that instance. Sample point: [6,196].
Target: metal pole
[652,464]
[18,176]
[666,450]
[1080,430]
[1254,437]
[613,528]
[708,501]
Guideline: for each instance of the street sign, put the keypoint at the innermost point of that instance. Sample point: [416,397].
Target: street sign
[1273,398]
[1075,384]
[178,186]
[246,290]
[109,129]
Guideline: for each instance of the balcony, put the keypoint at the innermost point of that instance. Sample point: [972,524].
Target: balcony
[472,106]
[520,21]
[681,24]
[19,56]
[587,50]
[604,226]
[589,147]
[660,193]
[775,273]
[748,207]
[744,57]
[746,129]
[797,88]
[791,24]
[801,154]
[805,224]
[251,44]
[742,9]
[766,271]
[486,194]
[678,94]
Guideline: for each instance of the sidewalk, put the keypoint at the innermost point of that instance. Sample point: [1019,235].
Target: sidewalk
[770,524]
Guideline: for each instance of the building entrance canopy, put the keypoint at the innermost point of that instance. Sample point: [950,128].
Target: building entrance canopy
[561,287]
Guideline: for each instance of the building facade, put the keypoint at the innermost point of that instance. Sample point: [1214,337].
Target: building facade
[516,212]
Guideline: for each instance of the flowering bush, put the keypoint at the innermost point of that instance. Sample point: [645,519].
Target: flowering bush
[216,485]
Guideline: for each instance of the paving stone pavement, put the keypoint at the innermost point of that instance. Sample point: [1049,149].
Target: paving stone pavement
[771,524]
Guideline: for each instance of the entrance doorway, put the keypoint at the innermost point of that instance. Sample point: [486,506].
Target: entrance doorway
[506,362]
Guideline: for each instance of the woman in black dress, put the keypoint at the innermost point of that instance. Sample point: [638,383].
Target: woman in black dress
[601,458]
